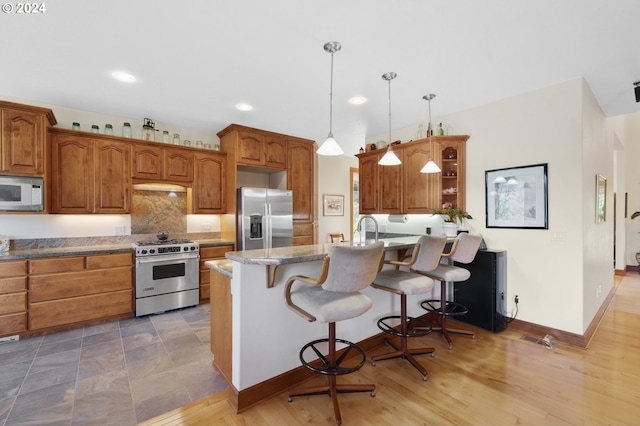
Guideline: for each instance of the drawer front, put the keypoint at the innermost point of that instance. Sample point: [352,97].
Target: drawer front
[12,303]
[13,323]
[205,276]
[11,285]
[204,292]
[214,252]
[13,268]
[76,309]
[105,261]
[72,284]
[56,264]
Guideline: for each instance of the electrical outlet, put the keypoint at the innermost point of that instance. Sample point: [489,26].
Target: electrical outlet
[205,227]
[516,299]
[119,230]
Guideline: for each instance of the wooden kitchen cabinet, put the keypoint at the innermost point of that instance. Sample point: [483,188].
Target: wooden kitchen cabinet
[254,147]
[89,174]
[162,163]
[301,180]
[177,164]
[13,297]
[221,324]
[382,189]
[206,254]
[147,162]
[209,184]
[403,189]
[23,138]
[260,151]
[78,290]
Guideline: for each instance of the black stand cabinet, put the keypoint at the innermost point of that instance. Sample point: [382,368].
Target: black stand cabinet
[484,292]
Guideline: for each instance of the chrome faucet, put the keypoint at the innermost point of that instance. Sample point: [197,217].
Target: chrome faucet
[359,226]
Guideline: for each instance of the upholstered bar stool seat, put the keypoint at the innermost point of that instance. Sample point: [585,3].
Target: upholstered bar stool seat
[335,296]
[463,250]
[426,255]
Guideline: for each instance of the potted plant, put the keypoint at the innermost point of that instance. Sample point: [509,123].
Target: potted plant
[453,217]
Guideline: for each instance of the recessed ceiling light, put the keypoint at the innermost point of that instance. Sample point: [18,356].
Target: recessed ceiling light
[123,76]
[244,107]
[357,100]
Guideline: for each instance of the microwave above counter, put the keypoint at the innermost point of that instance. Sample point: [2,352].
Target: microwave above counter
[21,194]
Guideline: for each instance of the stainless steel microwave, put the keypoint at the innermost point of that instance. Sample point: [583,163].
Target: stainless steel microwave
[21,194]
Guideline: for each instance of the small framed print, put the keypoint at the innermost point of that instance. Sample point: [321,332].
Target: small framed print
[333,205]
[601,199]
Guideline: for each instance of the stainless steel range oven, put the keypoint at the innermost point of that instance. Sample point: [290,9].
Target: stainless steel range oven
[167,275]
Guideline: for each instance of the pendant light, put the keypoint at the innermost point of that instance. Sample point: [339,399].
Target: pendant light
[431,166]
[389,158]
[330,146]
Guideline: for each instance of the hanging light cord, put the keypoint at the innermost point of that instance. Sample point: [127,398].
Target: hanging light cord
[331,101]
[430,130]
[389,112]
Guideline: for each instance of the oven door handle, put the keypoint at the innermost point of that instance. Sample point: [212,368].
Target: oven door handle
[167,258]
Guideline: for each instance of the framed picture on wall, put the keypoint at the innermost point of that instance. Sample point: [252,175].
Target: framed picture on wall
[517,197]
[333,205]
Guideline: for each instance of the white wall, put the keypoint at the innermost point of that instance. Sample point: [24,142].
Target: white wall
[334,179]
[597,253]
[66,116]
[627,131]
[544,267]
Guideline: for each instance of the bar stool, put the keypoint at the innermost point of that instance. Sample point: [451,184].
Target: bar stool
[463,250]
[335,296]
[426,256]
[337,237]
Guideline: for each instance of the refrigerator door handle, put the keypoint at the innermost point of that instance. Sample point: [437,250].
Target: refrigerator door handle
[268,239]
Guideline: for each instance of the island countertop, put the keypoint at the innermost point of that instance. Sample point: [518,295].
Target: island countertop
[297,254]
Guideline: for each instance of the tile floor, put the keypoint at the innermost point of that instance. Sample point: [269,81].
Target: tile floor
[118,373]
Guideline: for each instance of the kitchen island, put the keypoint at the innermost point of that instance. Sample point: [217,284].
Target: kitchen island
[265,335]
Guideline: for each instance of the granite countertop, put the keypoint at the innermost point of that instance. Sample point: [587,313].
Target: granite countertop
[89,249]
[298,254]
[222,266]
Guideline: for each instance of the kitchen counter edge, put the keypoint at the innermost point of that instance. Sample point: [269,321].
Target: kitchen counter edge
[308,253]
[88,250]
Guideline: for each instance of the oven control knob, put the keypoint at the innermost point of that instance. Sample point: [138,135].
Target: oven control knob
[193,247]
[152,251]
[143,251]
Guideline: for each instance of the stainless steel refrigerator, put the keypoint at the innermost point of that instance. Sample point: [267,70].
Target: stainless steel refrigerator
[264,218]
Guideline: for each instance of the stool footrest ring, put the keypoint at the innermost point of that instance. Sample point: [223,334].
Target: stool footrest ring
[452,309]
[424,327]
[322,364]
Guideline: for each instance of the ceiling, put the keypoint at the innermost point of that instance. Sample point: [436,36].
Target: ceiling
[195,60]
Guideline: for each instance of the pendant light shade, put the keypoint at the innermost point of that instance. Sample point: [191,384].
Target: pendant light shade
[389,158]
[330,146]
[431,166]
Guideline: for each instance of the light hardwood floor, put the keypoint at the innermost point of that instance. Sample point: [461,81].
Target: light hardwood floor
[496,379]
